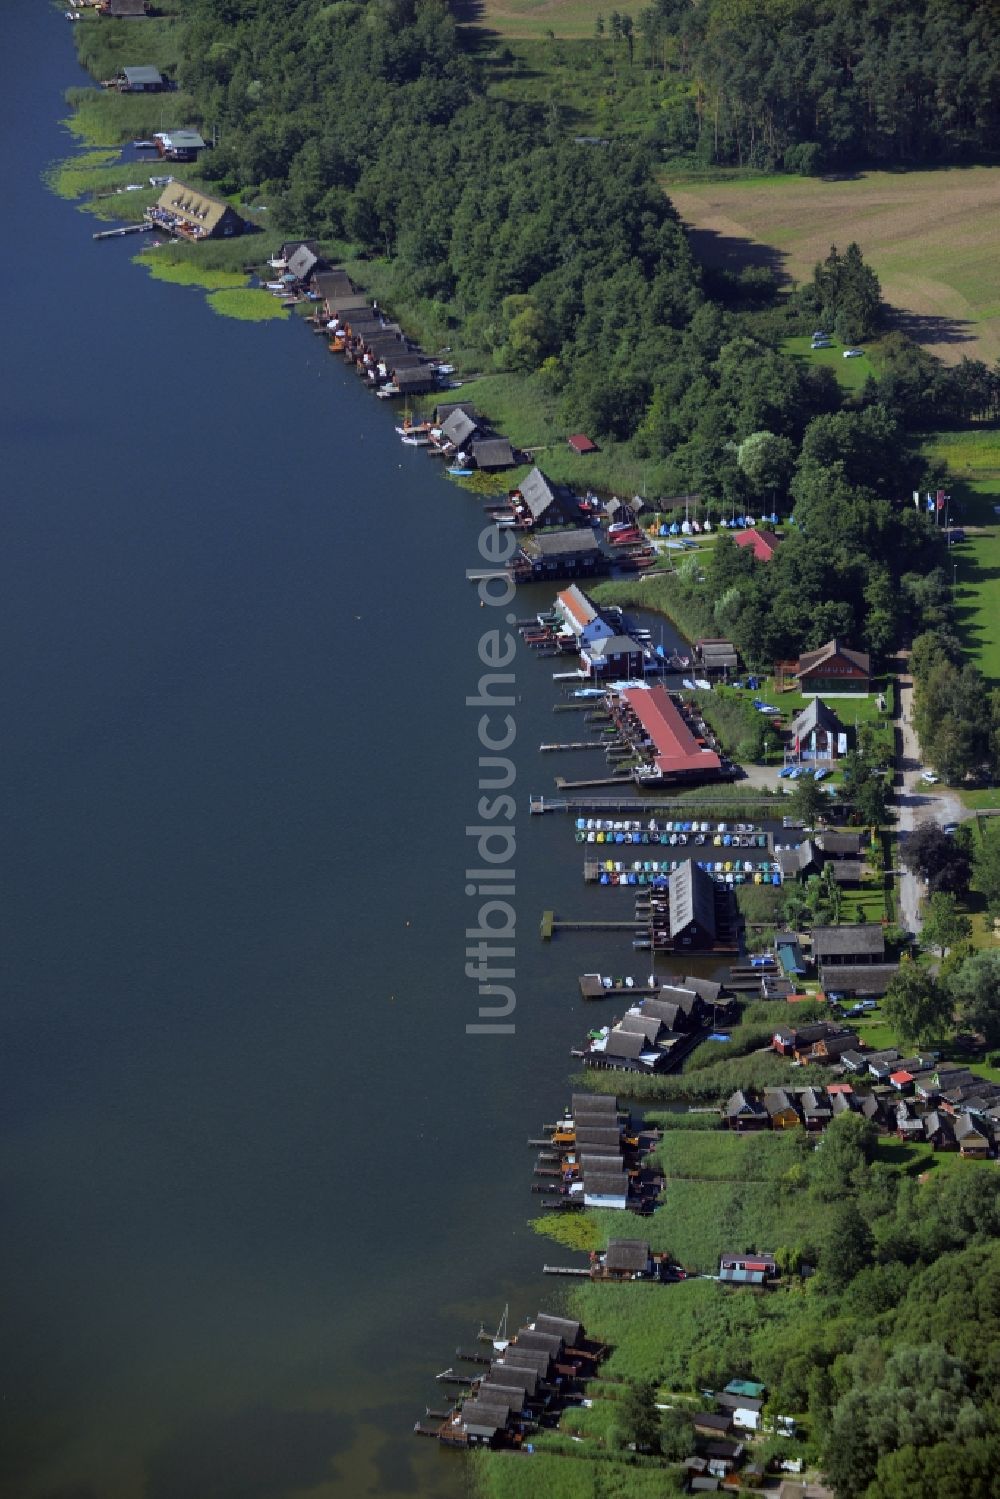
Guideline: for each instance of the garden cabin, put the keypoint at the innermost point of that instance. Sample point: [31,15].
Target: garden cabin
[763,544]
[781,1111]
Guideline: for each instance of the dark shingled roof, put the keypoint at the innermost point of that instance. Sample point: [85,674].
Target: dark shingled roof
[605,1104]
[631,1255]
[560,543]
[593,1138]
[567,1328]
[841,941]
[493,452]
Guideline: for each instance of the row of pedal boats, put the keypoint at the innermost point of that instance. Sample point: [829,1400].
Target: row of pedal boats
[654,872]
[656,825]
[674,840]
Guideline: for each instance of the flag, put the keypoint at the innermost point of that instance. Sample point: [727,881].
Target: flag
[930,502]
[940,499]
[916,499]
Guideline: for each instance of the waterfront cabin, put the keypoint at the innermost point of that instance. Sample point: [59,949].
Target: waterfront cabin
[124,10]
[302,262]
[491,454]
[817,733]
[179,145]
[762,544]
[140,80]
[613,658]
[626,1259]
[834,668]
[559,554]
[578,616]
[188,213]
[605,1191]
[538,502]
[480,1423]
[457,429]
[654,727]
[716,657]
[415,379]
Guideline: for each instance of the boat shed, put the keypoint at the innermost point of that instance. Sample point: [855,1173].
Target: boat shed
[537,501]
[458,427]
[561,554]
[302,262]
[141,80]
[124,10]
[692,906]
[179,145]
[492,453]
[415,380]
[626,1259]
[716,656]
[580,616]
[674,748]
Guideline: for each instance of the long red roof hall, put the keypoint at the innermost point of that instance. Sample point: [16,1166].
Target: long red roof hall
[676,748]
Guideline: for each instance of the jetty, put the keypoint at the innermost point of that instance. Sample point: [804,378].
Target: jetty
[125,229]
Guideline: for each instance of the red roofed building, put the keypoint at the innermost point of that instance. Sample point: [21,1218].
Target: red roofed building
[675,750]
[581,443]
[763,544]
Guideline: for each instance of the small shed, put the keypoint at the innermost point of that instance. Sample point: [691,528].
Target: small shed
[141,80]
[581,443]
[762,544]
[125,10]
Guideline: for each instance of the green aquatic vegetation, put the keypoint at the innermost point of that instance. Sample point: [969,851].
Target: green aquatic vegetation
[188,273]
[247,304]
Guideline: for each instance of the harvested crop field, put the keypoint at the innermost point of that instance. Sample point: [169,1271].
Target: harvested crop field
[930,236]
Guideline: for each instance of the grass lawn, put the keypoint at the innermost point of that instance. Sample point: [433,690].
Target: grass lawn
[929,235]
[568,19]
[974,458]
[851,373]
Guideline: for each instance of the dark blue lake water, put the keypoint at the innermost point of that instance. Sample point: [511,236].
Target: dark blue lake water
[259,1182]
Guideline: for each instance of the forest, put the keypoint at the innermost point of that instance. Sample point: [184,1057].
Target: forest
[831,83]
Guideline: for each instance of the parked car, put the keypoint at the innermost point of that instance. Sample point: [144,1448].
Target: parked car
[930,777]
[853,353]
[950,828]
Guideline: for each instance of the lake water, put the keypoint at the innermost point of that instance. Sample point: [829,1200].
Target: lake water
[259,1181]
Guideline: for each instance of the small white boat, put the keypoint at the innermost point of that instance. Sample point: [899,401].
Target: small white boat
[416,440]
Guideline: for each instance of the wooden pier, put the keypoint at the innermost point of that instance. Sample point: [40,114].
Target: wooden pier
[564,1270]
[126,229]
[550,926]
[581,744]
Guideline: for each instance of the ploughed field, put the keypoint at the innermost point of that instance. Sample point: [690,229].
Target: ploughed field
[930,236]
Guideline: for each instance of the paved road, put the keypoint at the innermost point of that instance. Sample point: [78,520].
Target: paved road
[917,803]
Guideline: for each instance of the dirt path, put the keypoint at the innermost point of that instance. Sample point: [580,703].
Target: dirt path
[917,803]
